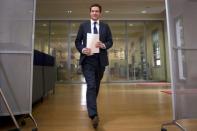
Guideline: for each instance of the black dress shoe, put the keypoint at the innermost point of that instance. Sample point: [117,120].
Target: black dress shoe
[95,122]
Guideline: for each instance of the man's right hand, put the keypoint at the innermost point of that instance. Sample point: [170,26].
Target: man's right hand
[87,51]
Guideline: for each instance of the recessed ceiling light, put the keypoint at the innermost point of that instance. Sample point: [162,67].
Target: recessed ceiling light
[44,25]
[144,12]
[69,11]
[107,11]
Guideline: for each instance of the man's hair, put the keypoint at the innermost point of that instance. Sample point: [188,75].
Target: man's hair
[96,5]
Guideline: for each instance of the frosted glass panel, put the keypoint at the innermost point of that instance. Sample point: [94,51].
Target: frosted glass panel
[184,61]
[16,24]
[16,50]
[15,79]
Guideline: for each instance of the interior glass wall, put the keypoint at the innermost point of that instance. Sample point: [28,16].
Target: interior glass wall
[156,51]
[42,36]
[117,54]
[137,57]
[138,45]
[75,68]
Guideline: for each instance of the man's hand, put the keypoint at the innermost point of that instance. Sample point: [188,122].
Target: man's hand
[87,51]
[100,45]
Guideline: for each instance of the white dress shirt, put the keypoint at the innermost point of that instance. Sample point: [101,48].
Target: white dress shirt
[92,26]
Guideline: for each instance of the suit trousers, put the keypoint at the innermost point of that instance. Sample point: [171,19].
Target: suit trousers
[93,74]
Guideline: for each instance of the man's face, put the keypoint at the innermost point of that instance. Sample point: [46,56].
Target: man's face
[95,13]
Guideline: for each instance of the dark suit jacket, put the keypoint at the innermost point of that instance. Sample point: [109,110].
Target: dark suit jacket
[105,37]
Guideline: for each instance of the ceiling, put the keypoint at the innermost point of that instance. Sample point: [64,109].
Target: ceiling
[112,9]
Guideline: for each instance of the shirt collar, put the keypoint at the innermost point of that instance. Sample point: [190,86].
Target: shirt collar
[92,22]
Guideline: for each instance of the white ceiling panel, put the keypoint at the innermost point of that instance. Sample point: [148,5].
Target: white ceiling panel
[118,9]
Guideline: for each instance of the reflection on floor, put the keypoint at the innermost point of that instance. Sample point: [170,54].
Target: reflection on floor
[122,107]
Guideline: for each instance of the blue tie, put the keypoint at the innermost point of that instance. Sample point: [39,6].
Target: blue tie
[95,29]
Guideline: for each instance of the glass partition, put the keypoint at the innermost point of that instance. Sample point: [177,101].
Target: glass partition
[156,51]
[42,36]
[117,60]
[131,58]
[74,54]
[17,18]
[58,47]
[137,62]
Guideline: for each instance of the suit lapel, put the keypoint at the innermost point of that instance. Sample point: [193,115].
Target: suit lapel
[89,27]
[100,28]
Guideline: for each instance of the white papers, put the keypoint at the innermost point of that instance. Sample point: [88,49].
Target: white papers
[92,39]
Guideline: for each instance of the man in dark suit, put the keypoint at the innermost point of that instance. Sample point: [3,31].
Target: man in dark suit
[93,64]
